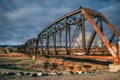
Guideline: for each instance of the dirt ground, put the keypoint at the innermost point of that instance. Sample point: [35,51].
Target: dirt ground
[18,62]
[98,76]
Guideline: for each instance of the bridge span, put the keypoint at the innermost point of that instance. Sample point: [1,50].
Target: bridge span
[81,32]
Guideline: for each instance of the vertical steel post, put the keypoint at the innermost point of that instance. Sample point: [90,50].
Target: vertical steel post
[30,45]
[66,37]
[23,47]
[47,45]
[36,47]
[83,35]
[60,38]
[33,46]
[41,42]
[27,48]
[69,39]
[55,51]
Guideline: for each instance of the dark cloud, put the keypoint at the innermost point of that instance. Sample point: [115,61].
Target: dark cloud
[112,13]
[21,20]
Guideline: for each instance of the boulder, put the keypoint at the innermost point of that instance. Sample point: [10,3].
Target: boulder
[34,75]
[76,68]
[67,73]
[39,74]
[28,74]
[59,73]
[52,74]
[45,74]
[114,68]
[79,72]
[20,74]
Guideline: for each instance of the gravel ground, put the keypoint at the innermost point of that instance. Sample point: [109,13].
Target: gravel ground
[90,76]
[98,74]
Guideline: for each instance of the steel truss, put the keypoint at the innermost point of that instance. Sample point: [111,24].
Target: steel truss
[61,36]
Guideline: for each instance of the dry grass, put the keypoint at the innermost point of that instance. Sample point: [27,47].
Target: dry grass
[13,55]
[22,63]
[60,65]
[43,64]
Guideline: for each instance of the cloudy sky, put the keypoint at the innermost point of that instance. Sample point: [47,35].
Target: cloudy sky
[21,20]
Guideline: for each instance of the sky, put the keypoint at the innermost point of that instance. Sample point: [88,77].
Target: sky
[21,20]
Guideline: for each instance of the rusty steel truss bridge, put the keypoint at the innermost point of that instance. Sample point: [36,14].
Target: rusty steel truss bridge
[81,33]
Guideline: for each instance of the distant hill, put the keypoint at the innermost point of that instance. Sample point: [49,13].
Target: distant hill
[14,46]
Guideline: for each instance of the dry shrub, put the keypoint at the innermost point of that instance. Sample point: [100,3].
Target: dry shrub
[76,68]
[67,64]
[35,66]
[40,58]
[56,60]
[12,55]
[52,60]
[59,61]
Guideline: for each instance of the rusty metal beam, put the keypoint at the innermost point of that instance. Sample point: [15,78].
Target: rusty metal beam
[47,44]
[100,34]
[83,35]
[60,35]
[62,18]
[112,37]
[37,48]
[41,43]
[91,40]
[54,39]
[74,33]
[69,38]
[66,35]
[101,28]
[110,26]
